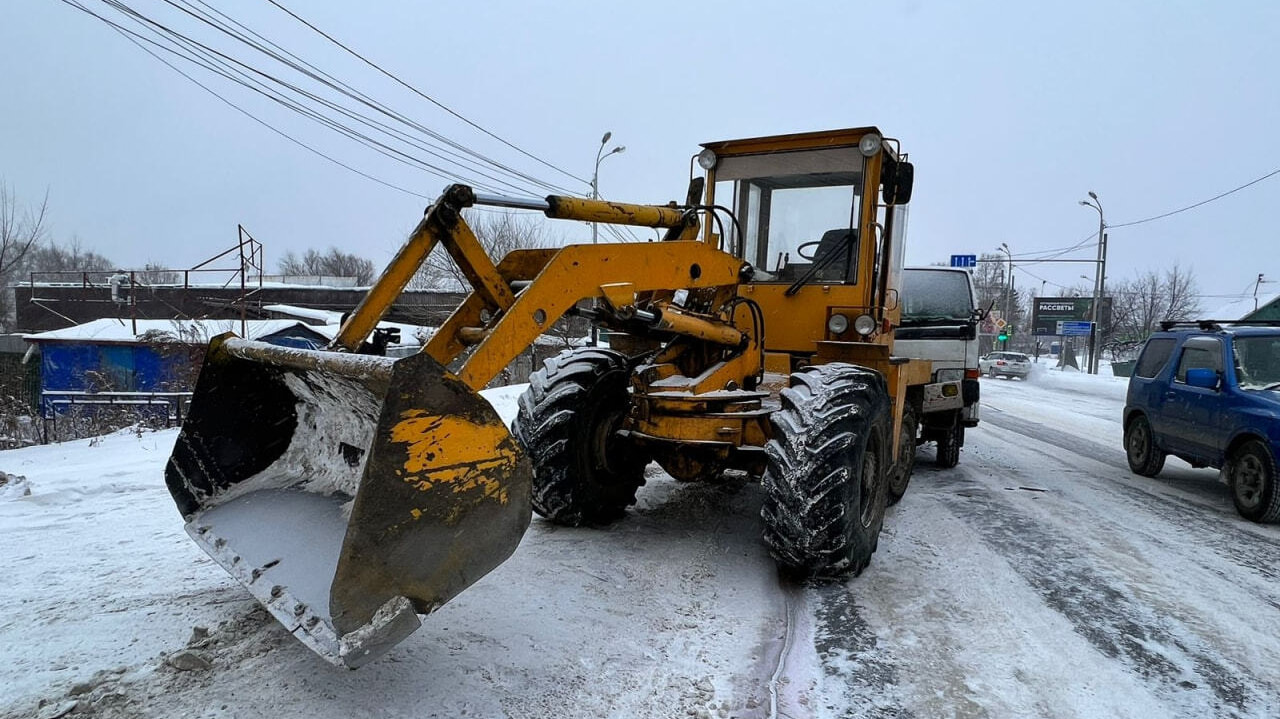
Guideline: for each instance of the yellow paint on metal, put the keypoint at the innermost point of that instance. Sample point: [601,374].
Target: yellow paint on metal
[455,453]
[618,213]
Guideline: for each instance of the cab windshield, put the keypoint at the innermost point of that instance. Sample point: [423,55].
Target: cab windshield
[935,296]
[797,212]
[1258,362]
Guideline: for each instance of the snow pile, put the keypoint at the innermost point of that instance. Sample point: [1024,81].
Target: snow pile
[1104,384]
[13,486]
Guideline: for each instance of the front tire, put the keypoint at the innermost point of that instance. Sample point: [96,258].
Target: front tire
[825,480]
[1251,474]
[1140,448]
[583,473]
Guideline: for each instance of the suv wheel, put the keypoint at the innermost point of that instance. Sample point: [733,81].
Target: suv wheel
[1140,448]
[1251,474]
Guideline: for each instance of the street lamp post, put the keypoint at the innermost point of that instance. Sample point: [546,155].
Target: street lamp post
[595,176]
[1008,295]
[1099,281]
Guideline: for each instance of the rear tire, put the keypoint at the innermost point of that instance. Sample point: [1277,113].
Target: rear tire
[906,456]
[1251,474]
[825,482]
[949,446]
[1140,448]
[583,474]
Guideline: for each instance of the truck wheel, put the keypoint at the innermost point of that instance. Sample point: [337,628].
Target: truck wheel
[906,456]
[949,446]
[1251,474]
[583,474]
[1140,448]
[825,478]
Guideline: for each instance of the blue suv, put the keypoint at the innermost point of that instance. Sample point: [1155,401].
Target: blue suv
[1210,394]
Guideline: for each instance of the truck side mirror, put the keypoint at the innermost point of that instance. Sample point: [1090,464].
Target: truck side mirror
[896,180]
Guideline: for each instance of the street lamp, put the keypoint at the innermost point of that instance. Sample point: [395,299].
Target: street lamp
[595,175]
[1099,280]
[1008,295]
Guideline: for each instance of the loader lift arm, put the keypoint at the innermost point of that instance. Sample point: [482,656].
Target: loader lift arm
[550,282]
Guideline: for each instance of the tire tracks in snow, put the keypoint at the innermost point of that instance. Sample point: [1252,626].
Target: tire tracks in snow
[1103,607]
[851,655]
[1228,536]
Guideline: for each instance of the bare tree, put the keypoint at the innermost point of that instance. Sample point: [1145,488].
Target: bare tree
[1150,297]
[71,257]
[21,228]
[334,263]
[498,232]
[154,273]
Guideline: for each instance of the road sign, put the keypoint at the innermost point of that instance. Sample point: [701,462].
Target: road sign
[964,260]
[1000,323]
[1047,312]
[1074,329]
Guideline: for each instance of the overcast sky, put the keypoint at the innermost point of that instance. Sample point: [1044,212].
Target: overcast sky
[1010,111]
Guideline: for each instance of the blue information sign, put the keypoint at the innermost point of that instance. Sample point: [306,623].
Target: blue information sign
[1074,329]
[964,260]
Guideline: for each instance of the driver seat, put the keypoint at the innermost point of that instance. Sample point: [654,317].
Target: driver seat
[837,267]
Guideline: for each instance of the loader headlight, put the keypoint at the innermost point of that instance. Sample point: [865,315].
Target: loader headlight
[837,324]
[869,144]
[864,325]
[707,159]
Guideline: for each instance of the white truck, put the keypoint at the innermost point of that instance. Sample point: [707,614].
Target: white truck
[940,323]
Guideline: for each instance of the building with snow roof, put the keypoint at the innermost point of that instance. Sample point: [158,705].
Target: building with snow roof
[147,367]
[1265,306]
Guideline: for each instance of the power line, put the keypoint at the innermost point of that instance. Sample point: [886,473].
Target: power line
[126,34]
[1198,204]
[212,55]
[421,94]
[338,85]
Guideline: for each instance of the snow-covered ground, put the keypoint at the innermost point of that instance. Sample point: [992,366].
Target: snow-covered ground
[1038,578]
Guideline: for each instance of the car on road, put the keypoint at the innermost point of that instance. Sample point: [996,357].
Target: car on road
[1005,364]
[1210,395]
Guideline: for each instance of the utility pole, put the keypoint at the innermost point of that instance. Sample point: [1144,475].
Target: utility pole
[1099,281]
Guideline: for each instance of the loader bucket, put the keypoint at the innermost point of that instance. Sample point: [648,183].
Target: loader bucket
[348,493]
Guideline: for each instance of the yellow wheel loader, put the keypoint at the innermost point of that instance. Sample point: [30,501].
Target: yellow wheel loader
[353,493]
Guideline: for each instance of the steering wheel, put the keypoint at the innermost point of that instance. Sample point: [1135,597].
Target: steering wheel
[812,248]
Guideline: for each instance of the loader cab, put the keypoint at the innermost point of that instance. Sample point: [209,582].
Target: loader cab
[819,217]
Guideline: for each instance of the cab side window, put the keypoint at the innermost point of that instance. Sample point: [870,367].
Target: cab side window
[1155,357]
[1199,353]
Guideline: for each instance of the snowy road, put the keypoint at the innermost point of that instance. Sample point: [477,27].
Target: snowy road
[1038,578]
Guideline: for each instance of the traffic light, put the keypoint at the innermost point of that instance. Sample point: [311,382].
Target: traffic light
[1003,336]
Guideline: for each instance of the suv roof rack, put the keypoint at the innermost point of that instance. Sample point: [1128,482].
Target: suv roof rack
[1209,325]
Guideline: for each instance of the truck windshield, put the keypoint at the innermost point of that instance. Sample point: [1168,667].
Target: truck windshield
[935,296]
[1258,362]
